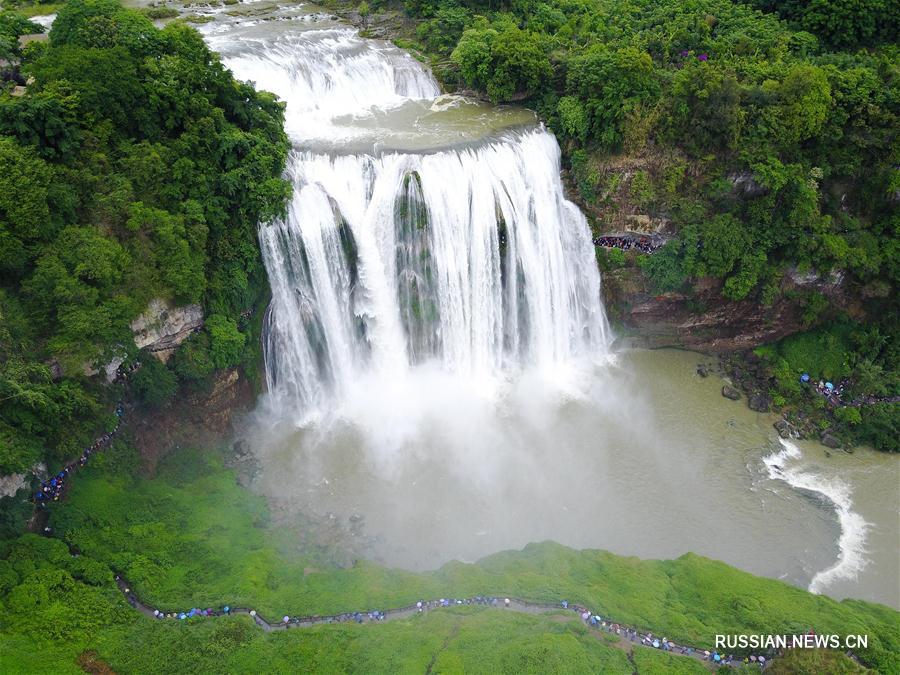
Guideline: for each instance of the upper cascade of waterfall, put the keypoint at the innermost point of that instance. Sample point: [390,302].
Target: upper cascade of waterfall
[425,230]
[330,73]
[349,94]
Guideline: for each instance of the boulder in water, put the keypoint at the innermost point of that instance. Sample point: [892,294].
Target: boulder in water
[830,441]
[730,392]
[759,402]
[784,428]
[702,370]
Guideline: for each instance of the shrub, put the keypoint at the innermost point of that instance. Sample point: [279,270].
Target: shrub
[153,383]
[226,342]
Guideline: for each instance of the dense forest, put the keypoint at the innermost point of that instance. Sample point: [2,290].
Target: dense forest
[769,141]
[132,166]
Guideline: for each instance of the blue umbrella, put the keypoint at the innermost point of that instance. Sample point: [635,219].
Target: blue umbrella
[829,386]
[804,377]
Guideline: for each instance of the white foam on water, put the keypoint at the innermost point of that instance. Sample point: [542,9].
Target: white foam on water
[851,559]
[45,20]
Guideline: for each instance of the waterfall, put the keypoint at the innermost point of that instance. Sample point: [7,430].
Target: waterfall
[467,258]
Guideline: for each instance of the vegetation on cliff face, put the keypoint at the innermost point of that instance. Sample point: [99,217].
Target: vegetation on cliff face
[192,537]
[133,167]
[757,145]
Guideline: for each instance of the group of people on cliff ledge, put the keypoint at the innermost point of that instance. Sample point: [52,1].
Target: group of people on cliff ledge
[643,244]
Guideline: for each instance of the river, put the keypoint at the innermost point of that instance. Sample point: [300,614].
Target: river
[442,381]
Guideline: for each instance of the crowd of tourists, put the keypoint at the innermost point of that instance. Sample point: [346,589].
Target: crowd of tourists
[51,489]
[832,393]
[591,619]
[638,243]
[649,640]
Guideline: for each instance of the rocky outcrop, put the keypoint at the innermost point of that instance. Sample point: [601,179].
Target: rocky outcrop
[759,402]
[201,418]
[706,321]
[744,183]
[730,392]
[161,328]
[12,483]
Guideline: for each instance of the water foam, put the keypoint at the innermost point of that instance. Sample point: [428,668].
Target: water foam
[854,528]
[470,258]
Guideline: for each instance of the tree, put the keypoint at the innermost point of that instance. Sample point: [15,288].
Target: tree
[805,103]
[13,26]
[441,33]
[573,119]
[226,342]
[154,384]
[24,209]
[507,63]
[706,108]
[609,84]
[724,242]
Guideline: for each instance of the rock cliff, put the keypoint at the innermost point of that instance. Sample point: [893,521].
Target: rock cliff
[161,328]
[706,321]
[199,418]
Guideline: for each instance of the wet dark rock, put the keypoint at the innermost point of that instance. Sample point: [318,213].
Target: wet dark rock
[745,184]
[784,428]
[830,441]
[759,402]
[702,370]
[730,392]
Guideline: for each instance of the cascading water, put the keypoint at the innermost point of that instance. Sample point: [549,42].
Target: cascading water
[470,257]
[437,353]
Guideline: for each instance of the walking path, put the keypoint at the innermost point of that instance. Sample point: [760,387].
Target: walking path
[628,636]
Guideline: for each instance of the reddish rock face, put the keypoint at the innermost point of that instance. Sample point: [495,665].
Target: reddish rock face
[706,321]
[198,419]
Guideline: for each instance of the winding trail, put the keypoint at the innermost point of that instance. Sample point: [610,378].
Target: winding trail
[628,637]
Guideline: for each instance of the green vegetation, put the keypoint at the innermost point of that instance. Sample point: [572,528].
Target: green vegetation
[192,537]
[134,167]
[651,661]
[770,152]
[13,26]
[843,349]
[839,23]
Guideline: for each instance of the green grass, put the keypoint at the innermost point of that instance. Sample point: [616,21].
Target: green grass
[815,662]
[193,537]
[653,662]
[823,353]
[37,9]
[453,641]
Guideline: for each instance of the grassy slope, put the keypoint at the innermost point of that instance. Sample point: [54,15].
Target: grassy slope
[457,640]
[192,537]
